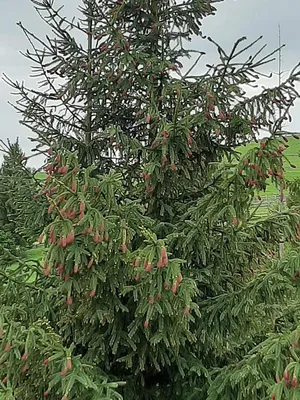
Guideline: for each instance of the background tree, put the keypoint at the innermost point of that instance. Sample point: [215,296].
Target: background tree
[10,166]
[166,278]
[22,211]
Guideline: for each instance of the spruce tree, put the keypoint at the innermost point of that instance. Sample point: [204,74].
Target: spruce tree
[19,199]
[159,278]
[11,163]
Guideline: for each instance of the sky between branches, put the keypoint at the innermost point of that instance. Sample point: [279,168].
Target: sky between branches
[235,18]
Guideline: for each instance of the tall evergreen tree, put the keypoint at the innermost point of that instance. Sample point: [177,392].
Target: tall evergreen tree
[22,210]
[12,161]
[157,270]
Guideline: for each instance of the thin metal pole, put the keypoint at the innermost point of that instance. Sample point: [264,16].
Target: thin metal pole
[281,188]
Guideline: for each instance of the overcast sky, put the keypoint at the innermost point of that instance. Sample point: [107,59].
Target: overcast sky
[235,18]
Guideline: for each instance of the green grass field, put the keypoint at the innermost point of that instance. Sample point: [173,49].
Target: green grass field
[40,175]
[32,255]
[293,155]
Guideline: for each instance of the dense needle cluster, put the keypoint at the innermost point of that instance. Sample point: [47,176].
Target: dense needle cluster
[159,279]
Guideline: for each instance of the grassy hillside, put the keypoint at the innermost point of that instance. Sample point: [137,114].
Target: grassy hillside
[292,153]
[40,175]
[31,256]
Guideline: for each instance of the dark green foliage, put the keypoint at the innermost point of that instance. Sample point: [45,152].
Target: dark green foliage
[22,211]
[34,353]
[9,169]
[293,192]
[142,165]
[8,244]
